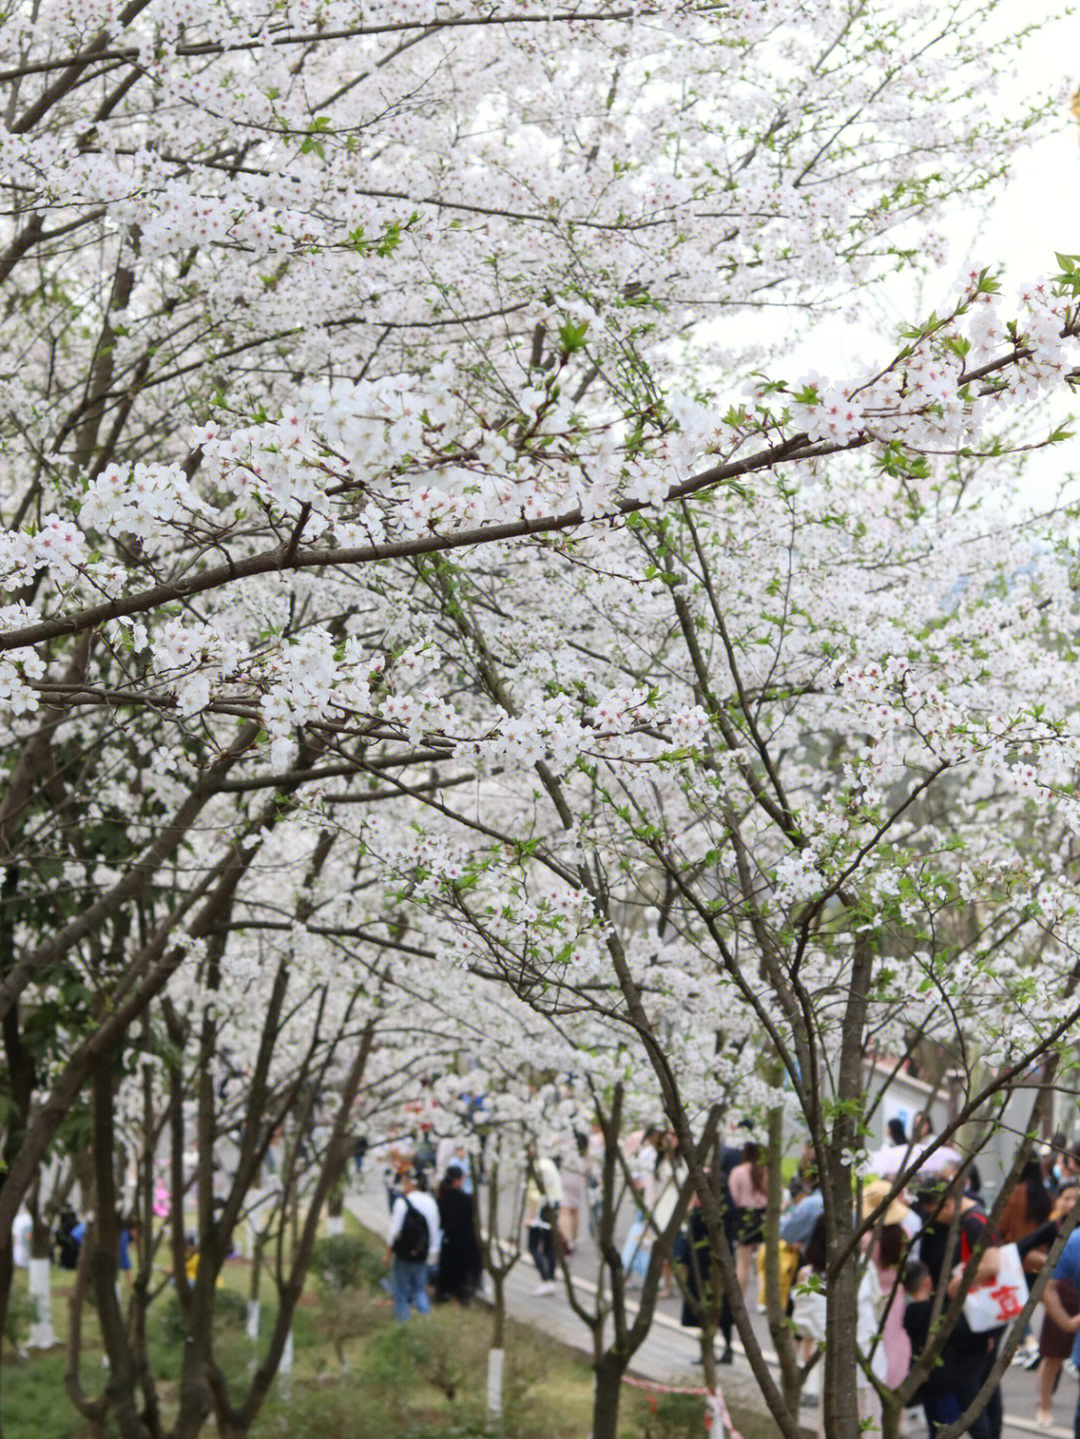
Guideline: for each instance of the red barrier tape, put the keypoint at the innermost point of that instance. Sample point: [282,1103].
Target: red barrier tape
[720,1419]
[717,1419]
[663,1388]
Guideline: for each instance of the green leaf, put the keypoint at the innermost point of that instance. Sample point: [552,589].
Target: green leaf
[390,241]
[572,337]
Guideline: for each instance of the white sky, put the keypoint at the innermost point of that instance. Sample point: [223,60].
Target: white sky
[1036,214]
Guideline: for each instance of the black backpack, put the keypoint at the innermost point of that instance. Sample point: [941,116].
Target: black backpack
[413,1239]
[67,1247]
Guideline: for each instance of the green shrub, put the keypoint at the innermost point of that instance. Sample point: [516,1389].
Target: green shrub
[348,1315]
[673,1416]
[345,1261]
[392,1357]
[230,1316]
[169,1321]
[230,1309]
[448,1350]
[21,1313]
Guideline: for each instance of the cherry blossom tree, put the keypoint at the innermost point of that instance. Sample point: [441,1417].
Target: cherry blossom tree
[241,1093]
[369,438]
[838,822]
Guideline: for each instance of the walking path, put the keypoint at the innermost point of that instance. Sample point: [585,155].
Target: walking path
[667,1355]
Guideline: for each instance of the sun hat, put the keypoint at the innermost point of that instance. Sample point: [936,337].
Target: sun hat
[873,1194]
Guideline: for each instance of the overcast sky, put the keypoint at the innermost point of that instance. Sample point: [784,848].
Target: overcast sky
[1037,213]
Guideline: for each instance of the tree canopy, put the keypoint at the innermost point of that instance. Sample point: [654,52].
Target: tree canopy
[424,587]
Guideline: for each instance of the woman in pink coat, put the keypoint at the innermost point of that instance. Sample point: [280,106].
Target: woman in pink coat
[748,1185]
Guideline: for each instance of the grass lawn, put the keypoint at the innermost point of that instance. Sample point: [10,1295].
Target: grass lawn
[357,1374]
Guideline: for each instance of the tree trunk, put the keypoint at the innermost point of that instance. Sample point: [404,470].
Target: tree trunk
[104,1239]
[498,1321]
[7,1273]
[254,1308]
[609,1370]
[775,1300]
[840,1380]
[42,1334]
[194,1392]
[840,1377]
[707,1337]
[20,1085]
[891,1410]
[285,1368]
[496,1360]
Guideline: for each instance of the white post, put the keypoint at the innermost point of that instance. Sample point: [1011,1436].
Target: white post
[253,1334]
[714,1424]
[284,1373]
[496,1358]
[42,1334]
[335,1224]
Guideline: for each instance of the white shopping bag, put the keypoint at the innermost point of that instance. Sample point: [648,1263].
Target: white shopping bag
[996,1301]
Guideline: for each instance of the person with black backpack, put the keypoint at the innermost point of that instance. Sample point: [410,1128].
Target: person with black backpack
[413,1245]
[65,1239]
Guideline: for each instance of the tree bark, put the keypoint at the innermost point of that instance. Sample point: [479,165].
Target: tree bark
[105,1239]
[779,1327]
[607,1389]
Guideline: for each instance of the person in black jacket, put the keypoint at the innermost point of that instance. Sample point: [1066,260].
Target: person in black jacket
[67,1244]
[967,1355]
[702,1287]
[941,1403]
[460,1265]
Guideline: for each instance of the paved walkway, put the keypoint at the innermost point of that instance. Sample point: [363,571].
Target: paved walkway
[667,1355]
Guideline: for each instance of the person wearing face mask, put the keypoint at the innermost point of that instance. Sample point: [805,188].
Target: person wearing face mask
[1063,1163]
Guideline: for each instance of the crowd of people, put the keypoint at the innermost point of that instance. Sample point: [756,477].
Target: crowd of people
[914,1249]
[65,1240]
[921,1242]
[922,1239]
[432,1244]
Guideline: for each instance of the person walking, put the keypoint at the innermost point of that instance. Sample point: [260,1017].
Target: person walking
[944,1247]
[543,1196]
[886,1254]
[808,1306]
[64,1238]
[748,1185]
[575,1182]
[702,1291]
[1056,1342]
[637,1246]
[940,1402]
[667,1179]
[413,1245]
[460,1265]
[1026,1210]
[1066,1273]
